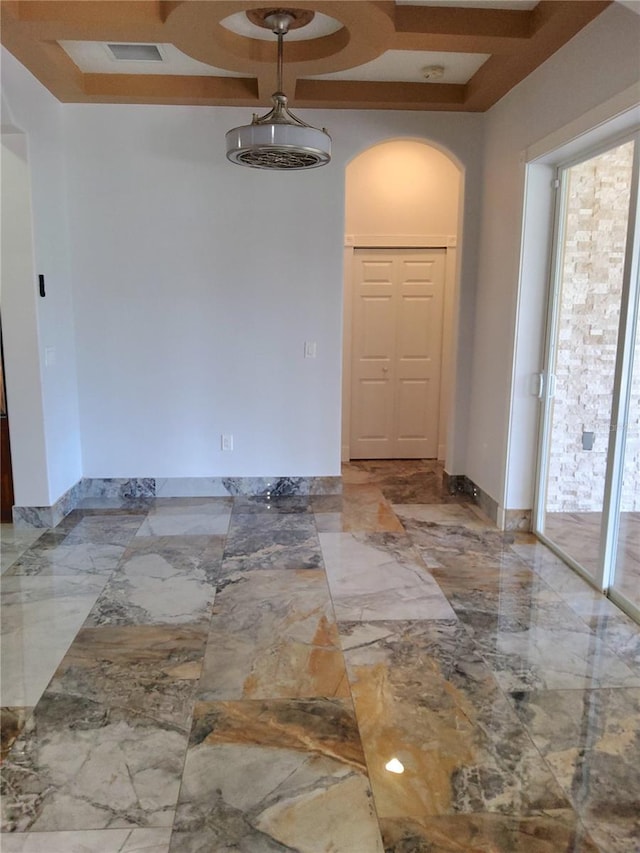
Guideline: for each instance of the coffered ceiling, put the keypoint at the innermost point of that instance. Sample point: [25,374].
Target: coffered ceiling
[403,55]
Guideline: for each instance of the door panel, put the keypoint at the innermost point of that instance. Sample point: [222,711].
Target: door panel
[397,342]
[376,399]
[376,340]
[579,473]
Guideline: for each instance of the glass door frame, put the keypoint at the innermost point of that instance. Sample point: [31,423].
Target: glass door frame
[629,317]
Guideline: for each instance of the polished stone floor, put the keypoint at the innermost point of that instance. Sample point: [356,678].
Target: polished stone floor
[235,674]
[579,535]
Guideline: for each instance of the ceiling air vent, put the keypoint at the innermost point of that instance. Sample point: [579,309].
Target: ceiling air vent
[139,52]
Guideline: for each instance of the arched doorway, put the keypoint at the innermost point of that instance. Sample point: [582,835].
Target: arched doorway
[402,226]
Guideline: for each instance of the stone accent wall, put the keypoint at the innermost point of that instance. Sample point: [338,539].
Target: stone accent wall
[592,269]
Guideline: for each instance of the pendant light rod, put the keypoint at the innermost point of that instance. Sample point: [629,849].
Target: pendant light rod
[280,59]
[279,23]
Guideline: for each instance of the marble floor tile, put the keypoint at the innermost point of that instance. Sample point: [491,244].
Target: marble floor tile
[277,775]
[265,541]
[272,504]
[89,841]
[105,529]
[488,613]
[460,582]
[151,670]
[425,488]
[82,765]
[619,633]
[161,580]
[359,507]
[14,541]
[591,741]
[614,836]
[558,831]
[402,481]
[380,576]
[72,519]
[40,616]
[376,470]
[126,624]
[59,558]
[550,567]
[453,514]
[209,517]
[455,546]
[424,696]
[557,649]
[12,721]
[273,635]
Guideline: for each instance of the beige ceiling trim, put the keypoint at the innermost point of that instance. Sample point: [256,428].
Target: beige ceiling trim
[517,41]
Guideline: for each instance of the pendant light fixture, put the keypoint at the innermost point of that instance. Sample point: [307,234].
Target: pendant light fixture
[279,140]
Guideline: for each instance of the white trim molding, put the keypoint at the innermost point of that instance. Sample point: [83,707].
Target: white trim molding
[400,241]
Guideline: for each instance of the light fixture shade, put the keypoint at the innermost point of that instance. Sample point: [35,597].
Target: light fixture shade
[278,146]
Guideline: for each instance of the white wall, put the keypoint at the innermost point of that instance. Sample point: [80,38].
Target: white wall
[596,65]
[402,188]
[43,405]
[196,283]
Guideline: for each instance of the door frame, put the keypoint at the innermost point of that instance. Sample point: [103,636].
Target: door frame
[394,242]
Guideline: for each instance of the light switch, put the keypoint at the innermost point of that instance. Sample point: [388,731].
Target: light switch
[310,349]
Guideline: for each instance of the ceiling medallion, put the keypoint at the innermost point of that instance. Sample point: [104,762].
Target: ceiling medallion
[279,139]
[298,17]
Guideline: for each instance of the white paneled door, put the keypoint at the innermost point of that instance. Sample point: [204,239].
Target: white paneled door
[398,298]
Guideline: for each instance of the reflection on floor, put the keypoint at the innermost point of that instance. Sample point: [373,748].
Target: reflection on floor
[578,534]
[378,671]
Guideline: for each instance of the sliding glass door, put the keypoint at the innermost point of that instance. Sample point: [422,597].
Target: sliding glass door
[588,507]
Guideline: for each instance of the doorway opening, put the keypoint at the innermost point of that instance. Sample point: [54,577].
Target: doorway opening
[402,218]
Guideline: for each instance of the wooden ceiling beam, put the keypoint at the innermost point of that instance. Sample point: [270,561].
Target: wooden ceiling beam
[61,20]
[47,61]
[352,94]
[554,22]
[461,30]
[163,89]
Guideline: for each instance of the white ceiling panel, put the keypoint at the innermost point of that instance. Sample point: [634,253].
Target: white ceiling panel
[94,57]
[405,66]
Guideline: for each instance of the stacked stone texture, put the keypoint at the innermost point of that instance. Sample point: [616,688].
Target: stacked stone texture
[592,269]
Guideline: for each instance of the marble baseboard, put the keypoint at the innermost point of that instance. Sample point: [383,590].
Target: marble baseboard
[122,491]
[505,519]
[172,487]
[123,488]
[48,516]
[460,484]
[518,519]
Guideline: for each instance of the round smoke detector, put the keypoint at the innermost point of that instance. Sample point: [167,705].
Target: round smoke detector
[433,72]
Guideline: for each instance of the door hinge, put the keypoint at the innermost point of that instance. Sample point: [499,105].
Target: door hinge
[555,183]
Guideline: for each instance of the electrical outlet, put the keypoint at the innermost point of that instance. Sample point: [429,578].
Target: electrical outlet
[226,441]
